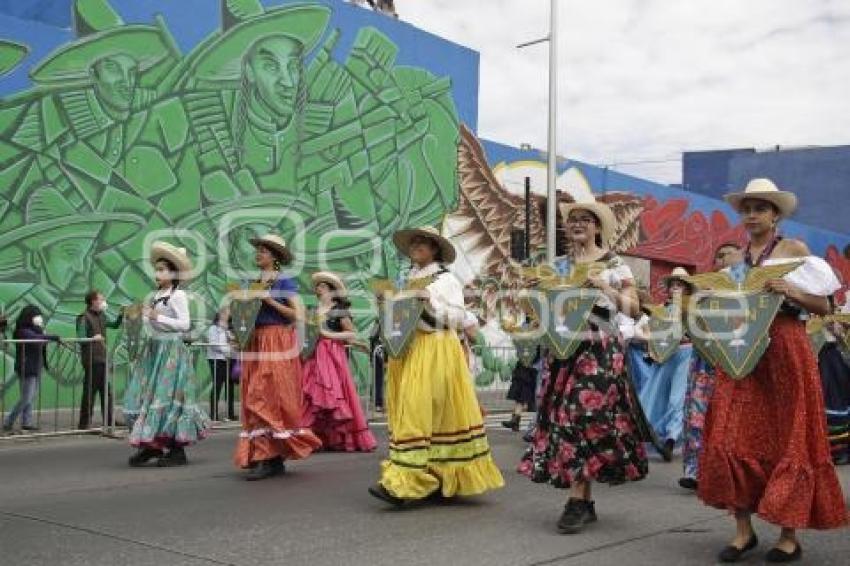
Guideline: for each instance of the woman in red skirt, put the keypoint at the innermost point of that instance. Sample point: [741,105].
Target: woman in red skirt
[766,448]
[272,400]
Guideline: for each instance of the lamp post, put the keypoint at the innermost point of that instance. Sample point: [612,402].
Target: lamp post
[552,148]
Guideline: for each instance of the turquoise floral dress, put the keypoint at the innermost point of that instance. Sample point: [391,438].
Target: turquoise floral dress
[161,397]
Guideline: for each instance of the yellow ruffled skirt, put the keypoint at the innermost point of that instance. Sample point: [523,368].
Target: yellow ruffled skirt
[437,437]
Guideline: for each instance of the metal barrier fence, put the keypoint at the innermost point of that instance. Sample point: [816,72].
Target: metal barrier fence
[66,389]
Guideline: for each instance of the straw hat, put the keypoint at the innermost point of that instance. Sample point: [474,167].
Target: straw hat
[274,243]
[173,254]
[332,280]
[678,274]
[765,189]
[402,240]
[603,212]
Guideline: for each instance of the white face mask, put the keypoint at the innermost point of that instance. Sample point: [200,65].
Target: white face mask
[38,320]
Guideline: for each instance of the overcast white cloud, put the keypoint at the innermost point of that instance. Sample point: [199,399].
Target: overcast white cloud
[647,79]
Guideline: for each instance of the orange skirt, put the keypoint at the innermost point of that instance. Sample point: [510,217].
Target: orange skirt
[766,449]
[272,399]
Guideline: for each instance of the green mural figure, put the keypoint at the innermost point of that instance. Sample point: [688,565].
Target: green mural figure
[135,137]
[11,55]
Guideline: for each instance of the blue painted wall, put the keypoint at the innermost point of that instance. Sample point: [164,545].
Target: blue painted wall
[819,176]
[603,180]
[45,24]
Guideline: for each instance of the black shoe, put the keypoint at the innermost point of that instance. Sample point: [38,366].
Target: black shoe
[30,428]
[175,457]
[688,483]
[512,423]
[667,450]
[381,493]
[143,456]
[733,553]
[776,555]
[577,513]
[591,512]
[841,459]
[266,469]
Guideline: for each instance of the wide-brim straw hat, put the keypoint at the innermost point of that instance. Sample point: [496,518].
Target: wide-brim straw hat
[402,240]
[765,189]
[331,279]
[177,256]
[275,244]
[678,274]
[603,213]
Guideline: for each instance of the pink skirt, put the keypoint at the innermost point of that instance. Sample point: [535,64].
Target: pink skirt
[332,406]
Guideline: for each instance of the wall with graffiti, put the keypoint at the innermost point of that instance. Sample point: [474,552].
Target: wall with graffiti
[205,123]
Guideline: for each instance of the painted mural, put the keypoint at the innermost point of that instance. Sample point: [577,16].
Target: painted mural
[263,125]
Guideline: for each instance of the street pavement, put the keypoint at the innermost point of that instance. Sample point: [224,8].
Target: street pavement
[73,501]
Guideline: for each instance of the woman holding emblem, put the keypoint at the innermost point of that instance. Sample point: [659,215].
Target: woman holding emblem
[272,398]
[438,446]
[765,444]
[589,426]
[333,408]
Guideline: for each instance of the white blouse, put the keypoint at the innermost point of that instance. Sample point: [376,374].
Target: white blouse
[446,302]
[173,315]
[815,276]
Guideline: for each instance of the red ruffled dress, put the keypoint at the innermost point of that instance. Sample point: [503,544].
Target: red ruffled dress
[766,448]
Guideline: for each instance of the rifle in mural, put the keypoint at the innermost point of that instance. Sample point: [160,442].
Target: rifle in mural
[732,318]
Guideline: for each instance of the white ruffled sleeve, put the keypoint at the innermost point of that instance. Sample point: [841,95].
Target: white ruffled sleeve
[446,302]
[815,276]
[619,274]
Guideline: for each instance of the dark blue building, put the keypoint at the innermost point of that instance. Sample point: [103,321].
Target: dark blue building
[820,176]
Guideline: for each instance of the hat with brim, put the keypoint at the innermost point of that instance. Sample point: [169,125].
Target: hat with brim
[274,244]
[176,256]
[678,274]
[602,212]
[143,43]
[222,60]
[402,240]
[766,190]
[330,279]
[11,54]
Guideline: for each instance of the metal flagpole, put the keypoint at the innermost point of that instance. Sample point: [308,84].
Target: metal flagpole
[552,148]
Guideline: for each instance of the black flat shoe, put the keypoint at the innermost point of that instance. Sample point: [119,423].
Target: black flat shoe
[143,456]
[688,483]
[380,492]
[733,553]
[175,457]
[776,555]
[266,469]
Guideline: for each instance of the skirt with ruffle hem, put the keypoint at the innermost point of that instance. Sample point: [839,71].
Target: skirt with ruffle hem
[765,445]
[332,405]
[161,397]
[272,399]
[437,437]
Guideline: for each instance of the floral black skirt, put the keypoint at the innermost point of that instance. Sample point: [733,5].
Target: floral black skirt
[589,424]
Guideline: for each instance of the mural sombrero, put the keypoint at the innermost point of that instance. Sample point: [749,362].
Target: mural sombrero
[102,33]
[11,54]
[244,22]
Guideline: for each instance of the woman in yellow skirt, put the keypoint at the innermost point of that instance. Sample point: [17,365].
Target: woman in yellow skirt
[438,445]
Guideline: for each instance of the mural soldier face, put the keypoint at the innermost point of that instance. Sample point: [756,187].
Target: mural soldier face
[273,68]
[65,260]
[115,78]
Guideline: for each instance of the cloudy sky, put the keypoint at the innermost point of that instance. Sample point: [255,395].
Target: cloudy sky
[644,80]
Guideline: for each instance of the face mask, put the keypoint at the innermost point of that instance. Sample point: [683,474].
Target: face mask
[103,306]
[38,321]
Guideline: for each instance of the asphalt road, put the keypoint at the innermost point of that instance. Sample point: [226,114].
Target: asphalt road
[73,501]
